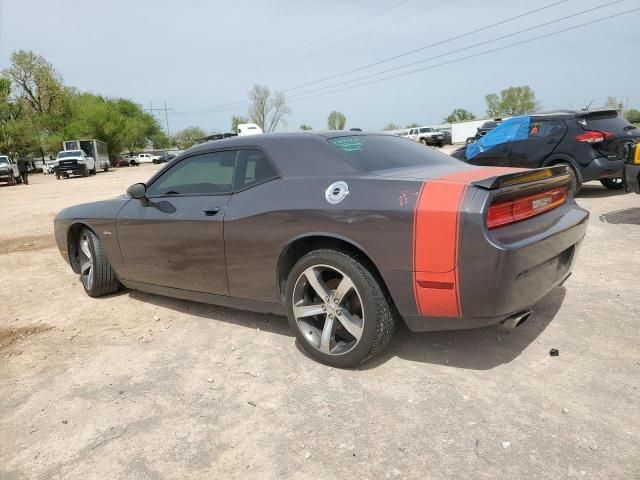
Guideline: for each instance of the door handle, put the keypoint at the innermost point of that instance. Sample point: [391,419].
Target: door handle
[211,212]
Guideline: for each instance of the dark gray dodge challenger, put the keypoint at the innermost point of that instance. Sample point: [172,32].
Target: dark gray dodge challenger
[345,233]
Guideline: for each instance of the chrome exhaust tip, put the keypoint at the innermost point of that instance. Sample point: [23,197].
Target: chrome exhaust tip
[516,320]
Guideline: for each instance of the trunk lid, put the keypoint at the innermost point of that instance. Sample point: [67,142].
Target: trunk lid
[617,131]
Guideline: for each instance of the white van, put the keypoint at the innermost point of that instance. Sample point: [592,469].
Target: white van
[245,129]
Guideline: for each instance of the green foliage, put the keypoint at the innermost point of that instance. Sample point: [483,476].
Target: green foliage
[38,112]
[412,125]
[459,115]
[188,137]
[391,126]
[336,121]
[512,101]
[632,115]
[305,127]
[237,120]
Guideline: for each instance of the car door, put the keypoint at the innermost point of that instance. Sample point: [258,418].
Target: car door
[175,238]
[498,156]
[544,135]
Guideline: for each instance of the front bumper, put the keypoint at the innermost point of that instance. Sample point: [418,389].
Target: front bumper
[5,176]
[602,167]
[70,169]
[632,178]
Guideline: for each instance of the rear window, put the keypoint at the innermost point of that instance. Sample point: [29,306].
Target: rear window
[373,153]
[604,122]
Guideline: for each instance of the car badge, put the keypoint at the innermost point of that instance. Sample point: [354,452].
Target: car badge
[336,192]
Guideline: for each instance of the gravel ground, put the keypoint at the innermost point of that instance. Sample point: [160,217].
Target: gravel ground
[141,386]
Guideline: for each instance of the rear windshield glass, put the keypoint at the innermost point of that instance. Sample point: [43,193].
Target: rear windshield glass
[373,153]
[607,123]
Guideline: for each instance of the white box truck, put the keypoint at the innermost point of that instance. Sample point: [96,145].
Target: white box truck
[92,148]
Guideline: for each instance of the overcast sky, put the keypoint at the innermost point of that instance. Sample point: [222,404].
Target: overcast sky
[198,55]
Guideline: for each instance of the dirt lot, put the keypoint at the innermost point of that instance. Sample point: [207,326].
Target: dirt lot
[140,386]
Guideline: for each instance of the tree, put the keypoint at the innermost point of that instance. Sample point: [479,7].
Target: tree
[267,110]
[459,115]
[305,127]
[336,121]
[391,126]
[632,115]
[512,101]
[237,120]
[188,137]
[412,125]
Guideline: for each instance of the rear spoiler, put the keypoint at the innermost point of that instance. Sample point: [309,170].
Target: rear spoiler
[556,174]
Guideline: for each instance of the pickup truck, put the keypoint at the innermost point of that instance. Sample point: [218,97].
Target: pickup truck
[427,136]
[73,162]
[144,158]
[9,170]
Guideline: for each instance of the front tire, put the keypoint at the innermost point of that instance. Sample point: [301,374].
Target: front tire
[337,309]
[612,183]
[96,274]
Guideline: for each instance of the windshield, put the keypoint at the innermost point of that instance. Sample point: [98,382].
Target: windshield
[4,160]
[70,153]
[373,153]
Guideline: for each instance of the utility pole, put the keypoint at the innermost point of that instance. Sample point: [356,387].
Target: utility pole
[166,114]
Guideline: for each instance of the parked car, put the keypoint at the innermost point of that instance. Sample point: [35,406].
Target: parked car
[92,148]
[164,158]
[447,136]
[591,144]
[632,168]
[122,162]
[73,162]
[9,170]
[304,225]
[483,129]
[144,158]
[426,136]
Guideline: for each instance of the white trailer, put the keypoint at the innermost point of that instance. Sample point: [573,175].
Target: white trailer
[92,148]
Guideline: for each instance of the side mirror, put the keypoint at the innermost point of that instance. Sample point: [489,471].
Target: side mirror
[138,191]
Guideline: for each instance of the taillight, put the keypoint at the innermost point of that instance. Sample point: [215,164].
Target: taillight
[591,136]
[503,213]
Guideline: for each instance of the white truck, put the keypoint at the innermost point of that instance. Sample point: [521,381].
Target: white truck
[9,170]
[144,158]
[245,129]
[427,136]
[92,148]
[73,162]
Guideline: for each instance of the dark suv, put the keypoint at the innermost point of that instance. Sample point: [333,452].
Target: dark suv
[591,143]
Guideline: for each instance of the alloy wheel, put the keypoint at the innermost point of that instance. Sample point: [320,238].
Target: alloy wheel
[328,309]
[86,262]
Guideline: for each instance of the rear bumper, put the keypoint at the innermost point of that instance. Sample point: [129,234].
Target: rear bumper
[506,271]
[632,178]
[602,167]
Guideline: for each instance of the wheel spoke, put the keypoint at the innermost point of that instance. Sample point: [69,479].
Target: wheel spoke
[344,287]
[84,246]
[351,324]
[86,266]
[307,310]
[313,277]
[327,333]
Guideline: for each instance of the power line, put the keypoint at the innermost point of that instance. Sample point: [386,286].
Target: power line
[166,114]
[479,54]
[535,27]
[388,59]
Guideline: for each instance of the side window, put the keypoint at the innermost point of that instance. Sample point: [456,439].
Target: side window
[253,167]
[206,174]
[546,128]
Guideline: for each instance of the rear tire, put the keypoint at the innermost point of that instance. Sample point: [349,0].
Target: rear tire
[612,183]
[349,321]
[96,275]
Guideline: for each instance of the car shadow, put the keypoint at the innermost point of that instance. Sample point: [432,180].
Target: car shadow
[476,349]
[628,216]
[597,191]
[268,322]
